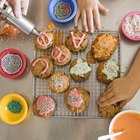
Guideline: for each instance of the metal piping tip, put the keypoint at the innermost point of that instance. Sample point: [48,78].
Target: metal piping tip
[36,32]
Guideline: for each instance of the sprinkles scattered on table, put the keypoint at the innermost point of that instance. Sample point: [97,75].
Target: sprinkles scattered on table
[11,63]
[62,10]
[14,106]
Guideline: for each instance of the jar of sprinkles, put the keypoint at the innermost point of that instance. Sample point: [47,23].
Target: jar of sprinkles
[12,63]
[131,26]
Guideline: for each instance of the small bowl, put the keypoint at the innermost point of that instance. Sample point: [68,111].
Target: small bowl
[13,51]
[11,118]
[52,4]
[118,115]
[123,29]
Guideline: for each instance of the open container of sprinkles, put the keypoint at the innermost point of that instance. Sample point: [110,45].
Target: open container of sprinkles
[13,108]
[130,26]
[12,63]
[62,11]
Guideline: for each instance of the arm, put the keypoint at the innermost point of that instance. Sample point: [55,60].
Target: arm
[88,10]
[123,89]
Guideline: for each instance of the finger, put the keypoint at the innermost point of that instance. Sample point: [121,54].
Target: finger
[24,6]
[109,86]
[108,90]
[109,102]
[17,8]
[123,103]
[105,97]
[84,21]
[102,9]
[2,2]
[90,20]
[97,18]
[76,18]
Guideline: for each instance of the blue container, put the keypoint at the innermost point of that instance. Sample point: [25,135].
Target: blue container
[52,5]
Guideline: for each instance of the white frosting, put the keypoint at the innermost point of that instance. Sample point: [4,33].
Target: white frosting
[132,25]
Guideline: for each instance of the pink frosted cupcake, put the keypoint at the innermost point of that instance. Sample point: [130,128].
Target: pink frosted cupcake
[44,106]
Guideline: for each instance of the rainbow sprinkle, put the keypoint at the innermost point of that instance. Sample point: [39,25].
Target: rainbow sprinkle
[62,10]
[14,106]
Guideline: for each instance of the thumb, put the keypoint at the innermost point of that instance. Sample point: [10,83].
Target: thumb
[123,103]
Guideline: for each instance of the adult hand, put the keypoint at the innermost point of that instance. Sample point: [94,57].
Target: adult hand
[19,6]
[88,10]
[120,90]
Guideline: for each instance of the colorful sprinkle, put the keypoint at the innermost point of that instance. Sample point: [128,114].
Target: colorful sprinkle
[11,63]
[62,10]
[14,106]
[80,68]
[74,98]
[45,105]
[111,69]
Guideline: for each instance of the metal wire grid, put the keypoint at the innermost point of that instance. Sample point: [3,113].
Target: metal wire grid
[40,86]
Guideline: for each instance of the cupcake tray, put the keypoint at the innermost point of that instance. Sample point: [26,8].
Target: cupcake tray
[40,86]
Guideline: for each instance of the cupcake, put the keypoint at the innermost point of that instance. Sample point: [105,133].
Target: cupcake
[77,99]
[80,70]
[107,71]
[41,67]
[76,40]
[58,82]
[44,41]
[61,55]
[109,111]
[103,46]
[44,106]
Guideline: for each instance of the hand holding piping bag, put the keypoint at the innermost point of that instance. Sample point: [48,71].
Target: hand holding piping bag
[20,7]
[89,10]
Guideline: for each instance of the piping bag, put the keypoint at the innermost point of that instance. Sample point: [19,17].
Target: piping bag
[22,23]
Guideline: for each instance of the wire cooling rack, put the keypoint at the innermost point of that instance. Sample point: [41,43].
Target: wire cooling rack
[40,86]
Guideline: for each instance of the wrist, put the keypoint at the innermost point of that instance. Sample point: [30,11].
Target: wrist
[133,80]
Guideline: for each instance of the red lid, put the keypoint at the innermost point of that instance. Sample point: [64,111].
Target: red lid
[123,29]
[13,51]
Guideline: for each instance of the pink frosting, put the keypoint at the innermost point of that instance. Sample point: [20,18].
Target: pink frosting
[43,36]
[46,62]
[60,54]
[45,105]
[74,39]
[75,99]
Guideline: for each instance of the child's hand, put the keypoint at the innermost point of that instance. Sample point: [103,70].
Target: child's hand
[88,10]
[19,6]
[122,89]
